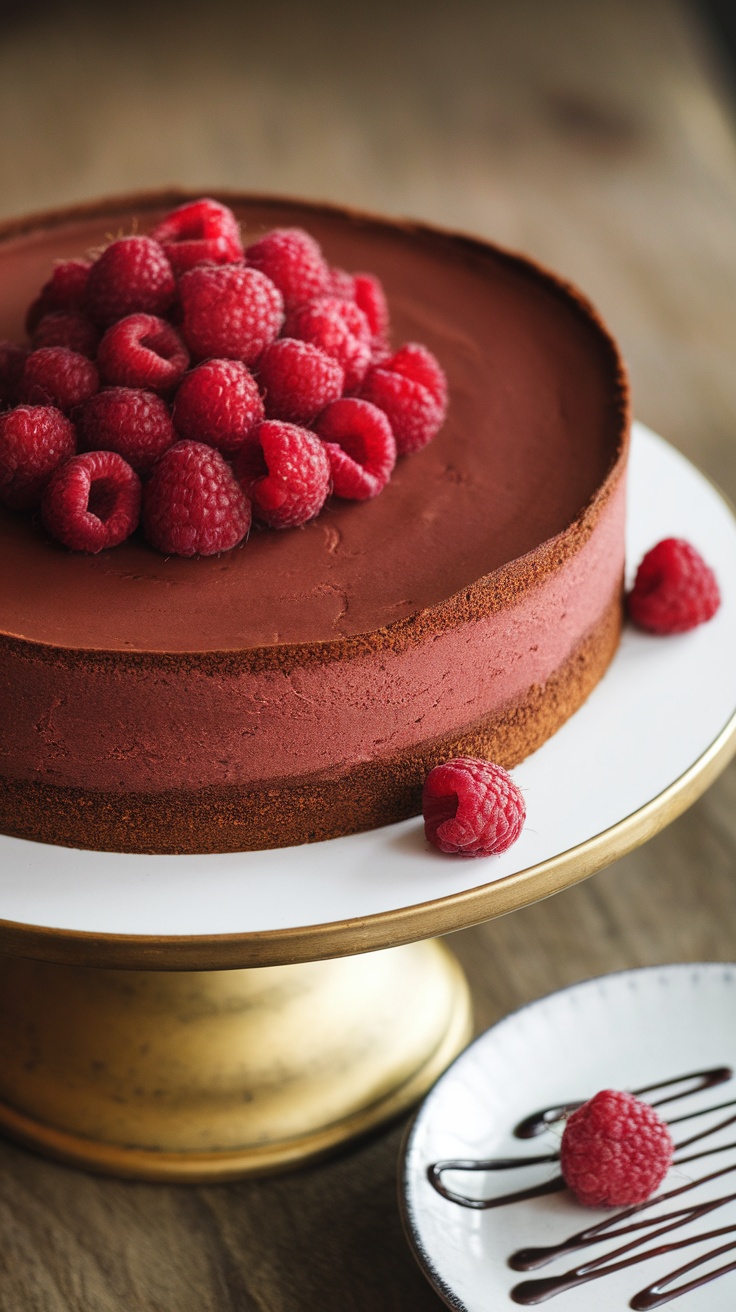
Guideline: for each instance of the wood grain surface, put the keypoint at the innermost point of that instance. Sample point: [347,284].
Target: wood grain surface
[594,136]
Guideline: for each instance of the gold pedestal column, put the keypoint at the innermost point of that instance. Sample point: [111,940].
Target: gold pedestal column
[211,1075]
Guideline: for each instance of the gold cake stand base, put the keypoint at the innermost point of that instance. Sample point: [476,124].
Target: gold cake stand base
[211,1075]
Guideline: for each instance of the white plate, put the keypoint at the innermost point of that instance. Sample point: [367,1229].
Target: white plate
[621,1031]
[659,708]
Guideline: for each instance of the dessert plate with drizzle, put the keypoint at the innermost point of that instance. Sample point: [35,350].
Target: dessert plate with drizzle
[484,1207]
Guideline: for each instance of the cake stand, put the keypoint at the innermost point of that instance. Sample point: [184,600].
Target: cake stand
[206,1017]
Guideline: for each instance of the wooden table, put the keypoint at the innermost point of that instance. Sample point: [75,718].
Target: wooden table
[594,136]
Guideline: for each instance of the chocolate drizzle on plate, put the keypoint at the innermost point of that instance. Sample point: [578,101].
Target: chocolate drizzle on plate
[641,1233]
[542,1120]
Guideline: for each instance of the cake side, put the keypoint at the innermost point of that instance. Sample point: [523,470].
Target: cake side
[287,812]
[147,723]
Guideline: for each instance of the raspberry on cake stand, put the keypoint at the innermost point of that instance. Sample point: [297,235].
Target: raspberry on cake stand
[206,1017]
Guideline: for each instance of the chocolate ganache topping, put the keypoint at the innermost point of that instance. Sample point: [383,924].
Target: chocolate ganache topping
[450,514]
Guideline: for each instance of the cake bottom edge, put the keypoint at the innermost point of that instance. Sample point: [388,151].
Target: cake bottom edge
[290,812]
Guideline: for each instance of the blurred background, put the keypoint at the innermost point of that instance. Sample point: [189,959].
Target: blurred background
[594,134]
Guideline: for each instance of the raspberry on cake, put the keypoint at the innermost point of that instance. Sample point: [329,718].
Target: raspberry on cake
[131,276]
[66,289]
[286,473]
[192,504]
[199,232]
[54,375]
[615,1150]
[132,421]
[92,501]
[360,447]
[34,440]
[229,312]
[67,328]
[340,329]
[398,385]
[342,284]
[370,297]
[293,261]
[366,292]
[218,403]
[143,351]
[414,361]
[298,380]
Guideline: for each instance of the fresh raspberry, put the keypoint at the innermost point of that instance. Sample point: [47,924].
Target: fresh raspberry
[340,329]
[67,328]
[380,353]
[472,808]
[674,589]
[143,351]
[229,312]
[12,360]
[286,473]
[417,363]
[34,314]
[34,440]
[615,1150]
[93,501]
[198,232]
[370,297]
[360,446]
[192,504]
[414,412]
[135,423]
[218,403]
[341,284]
[298,380]
[56,376]
[131,276]
[66,289]
[294,262]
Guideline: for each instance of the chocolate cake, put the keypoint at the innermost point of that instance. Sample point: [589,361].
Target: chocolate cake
[300,686]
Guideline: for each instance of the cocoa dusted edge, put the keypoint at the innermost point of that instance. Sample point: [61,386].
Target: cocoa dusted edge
[288,812]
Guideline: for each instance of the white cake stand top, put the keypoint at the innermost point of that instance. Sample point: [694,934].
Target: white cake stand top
[653,735]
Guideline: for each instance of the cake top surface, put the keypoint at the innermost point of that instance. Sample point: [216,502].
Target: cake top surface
[535,424]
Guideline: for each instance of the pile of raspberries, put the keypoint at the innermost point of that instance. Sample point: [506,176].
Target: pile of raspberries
[183,383]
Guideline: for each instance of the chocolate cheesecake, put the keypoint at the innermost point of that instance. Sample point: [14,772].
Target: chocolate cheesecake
[300,686]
